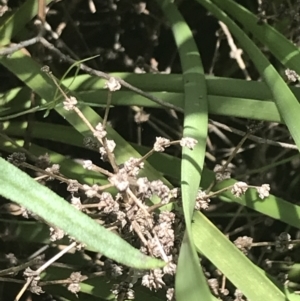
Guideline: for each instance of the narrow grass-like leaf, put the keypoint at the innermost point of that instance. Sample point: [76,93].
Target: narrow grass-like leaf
[190,282]
[243,101]
[17,186]
[19,103]
[287,104]
[232,262]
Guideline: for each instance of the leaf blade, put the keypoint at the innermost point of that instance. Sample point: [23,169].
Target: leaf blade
[22,189]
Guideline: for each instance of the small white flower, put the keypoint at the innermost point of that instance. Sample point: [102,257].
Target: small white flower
[160,144]
[170,294]
[188,142]
[90,191]
[70,103]
[174,193]
[170,268]
[103,153]
[46,69]
[239,188]
[141,117]
[131,166]
[263,191]
[112,84]
[120,180]
[111,145]
[144,187]
[100,132]
[73,186]
[291,75]
[53,169]
[88,164]
[76,203]
[56,234]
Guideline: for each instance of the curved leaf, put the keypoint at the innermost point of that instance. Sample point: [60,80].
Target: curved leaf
[17,186]
[190,282]
[213,244]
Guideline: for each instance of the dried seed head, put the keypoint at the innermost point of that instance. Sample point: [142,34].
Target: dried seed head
[170,268]
[56,234]
[263,191]
[133,166]
[12,259]
[34,287]
[76,203]
[244,244]
[112,84]
[170,294]
[73,186]
[121,217]
[144,188]
[161,190]
[76,278]
[120,180]
[161,144]
[188,142]
[239,188]
[214,286]
[54,169]
[116,270]
[90,191]
[291,75]
[107,203]
[100,131]
[70,103]
[45,69]
[87,164]
[74,288]
[202,201]
[166,217]
[123,288]
[26,213]
[153,279]
[238,295]
[111,146]
[141,117]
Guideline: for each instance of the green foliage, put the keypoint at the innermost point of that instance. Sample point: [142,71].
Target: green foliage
[198,95]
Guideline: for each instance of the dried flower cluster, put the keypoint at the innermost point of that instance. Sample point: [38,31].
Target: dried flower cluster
[129,211]
[244,244]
